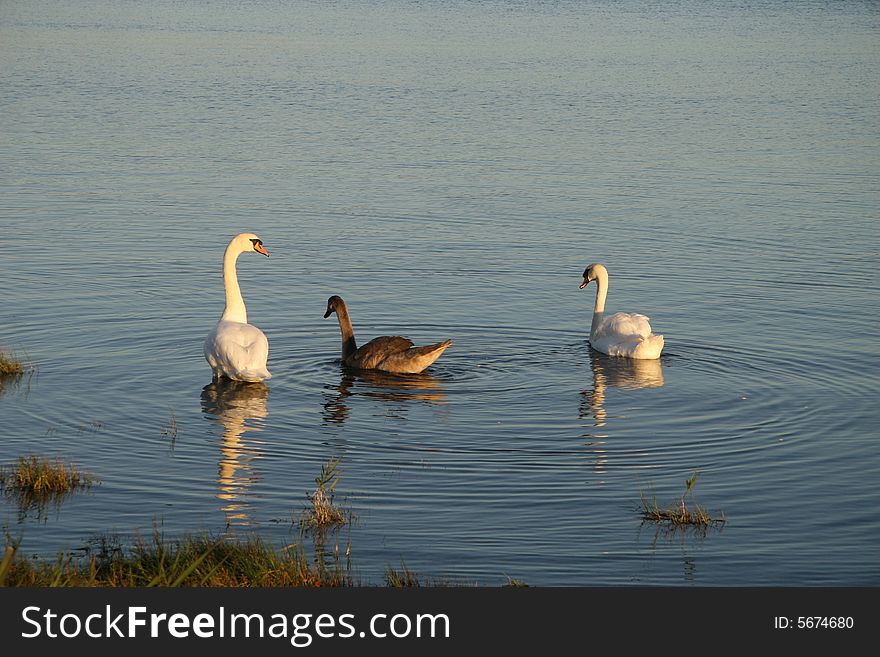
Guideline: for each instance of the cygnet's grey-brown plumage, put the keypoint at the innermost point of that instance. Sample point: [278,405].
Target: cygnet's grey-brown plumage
[389,353]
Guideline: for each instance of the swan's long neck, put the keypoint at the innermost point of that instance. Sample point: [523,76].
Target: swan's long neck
[349,346]
[601,293]
[235,310]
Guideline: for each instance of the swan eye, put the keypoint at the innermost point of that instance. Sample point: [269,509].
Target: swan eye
[257,242]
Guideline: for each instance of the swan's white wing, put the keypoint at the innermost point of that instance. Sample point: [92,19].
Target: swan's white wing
[238,351]
[626,334]
[624,326]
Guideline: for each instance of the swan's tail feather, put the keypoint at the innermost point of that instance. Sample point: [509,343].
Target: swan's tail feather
[438,347]
[650,347]
[253,375]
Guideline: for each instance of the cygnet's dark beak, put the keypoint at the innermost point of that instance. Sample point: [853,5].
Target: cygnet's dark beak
[328,313]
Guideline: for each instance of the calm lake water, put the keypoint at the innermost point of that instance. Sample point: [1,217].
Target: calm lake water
[450,168]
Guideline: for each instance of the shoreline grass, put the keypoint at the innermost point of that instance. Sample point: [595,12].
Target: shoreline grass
[401,578]
[404,578]
[197,561]
[191,561]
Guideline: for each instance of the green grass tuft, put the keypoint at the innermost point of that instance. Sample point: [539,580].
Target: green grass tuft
[32,475]
[12,371]
[515,583]
[35,482]
[324,512]
[403,578]
[12,365]
[191,561]
[678,513]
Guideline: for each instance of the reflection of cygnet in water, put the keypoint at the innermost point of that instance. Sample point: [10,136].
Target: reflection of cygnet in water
[626,373]
[386,386]
[235,405]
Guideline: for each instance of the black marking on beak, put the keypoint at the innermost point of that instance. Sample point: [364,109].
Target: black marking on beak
[258,246]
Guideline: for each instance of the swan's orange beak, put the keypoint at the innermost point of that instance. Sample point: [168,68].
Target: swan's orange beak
[584,284]
[260,249]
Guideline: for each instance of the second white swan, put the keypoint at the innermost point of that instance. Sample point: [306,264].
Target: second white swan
[620,334]
[235,349]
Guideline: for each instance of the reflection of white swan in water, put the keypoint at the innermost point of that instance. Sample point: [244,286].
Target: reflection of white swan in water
[397,389]
[239,407]
[624,373]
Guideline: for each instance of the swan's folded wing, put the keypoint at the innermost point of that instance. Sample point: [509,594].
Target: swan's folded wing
[238,350]
[245,336]
[625,325]
[415,359]
[378,349]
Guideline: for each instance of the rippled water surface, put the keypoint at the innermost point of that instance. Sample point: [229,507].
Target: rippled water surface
[450,168]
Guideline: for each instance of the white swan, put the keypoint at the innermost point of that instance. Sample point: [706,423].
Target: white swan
[236,349]
[621,334]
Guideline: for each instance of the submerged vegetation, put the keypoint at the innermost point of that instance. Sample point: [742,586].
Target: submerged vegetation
[171,430]
[190,561]
[678,513]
